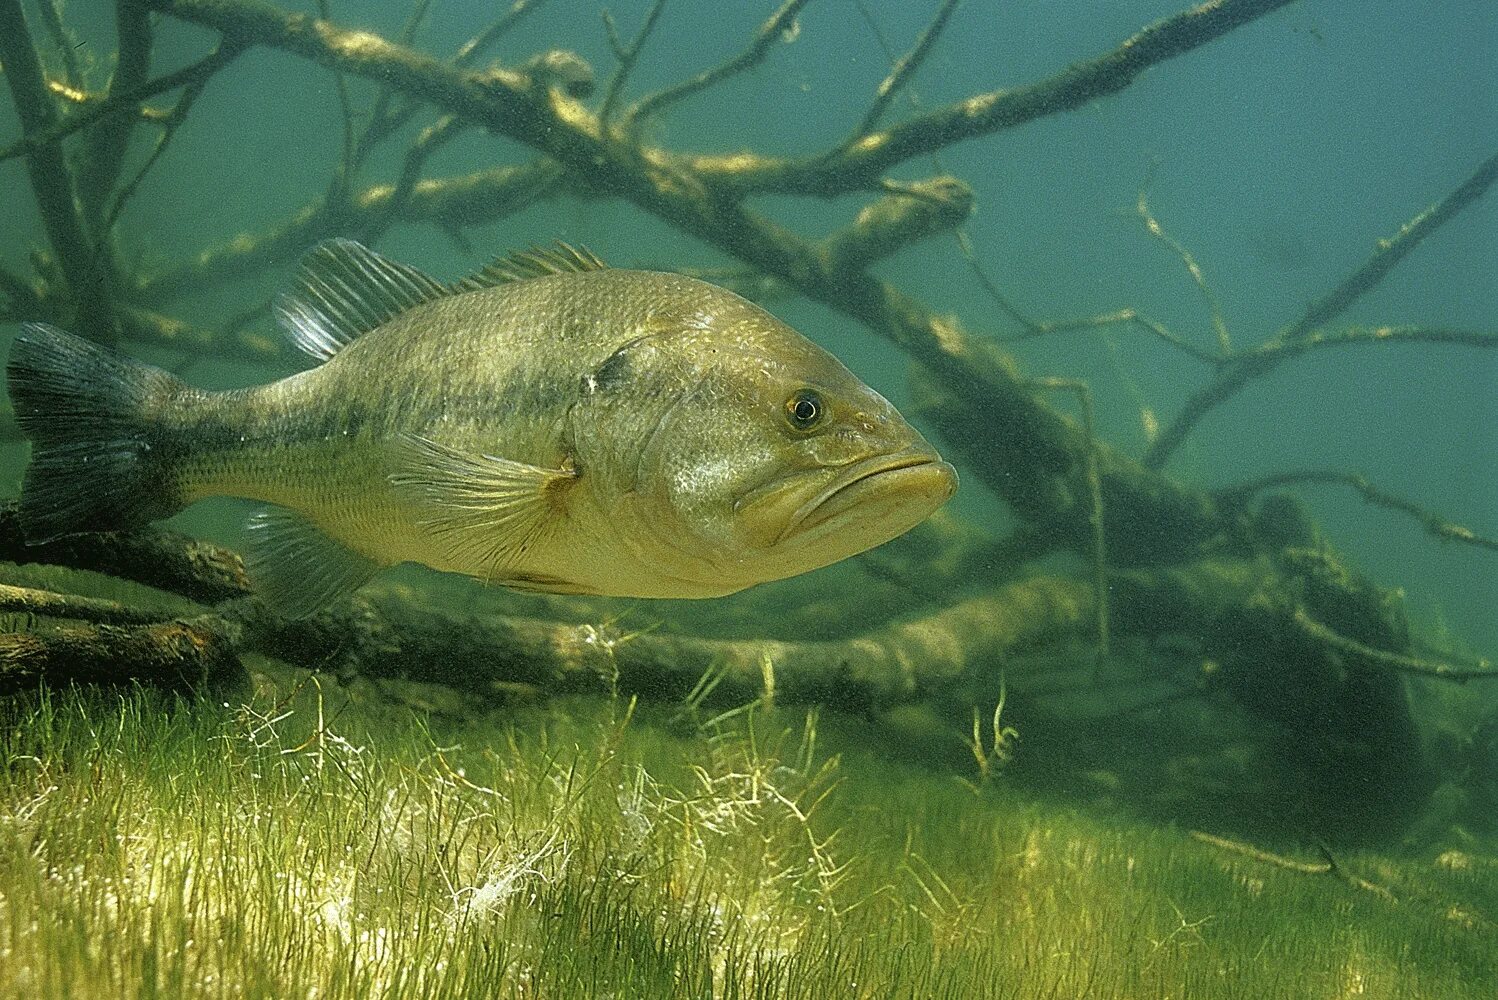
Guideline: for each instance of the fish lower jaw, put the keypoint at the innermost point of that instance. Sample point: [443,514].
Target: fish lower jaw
[918,481]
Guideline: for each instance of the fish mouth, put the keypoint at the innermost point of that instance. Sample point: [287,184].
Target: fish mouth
[885,477]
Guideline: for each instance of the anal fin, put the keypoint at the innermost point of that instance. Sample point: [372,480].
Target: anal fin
[298,569]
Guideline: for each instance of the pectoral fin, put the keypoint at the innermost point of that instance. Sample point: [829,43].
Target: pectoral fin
[491,510]
[296,568]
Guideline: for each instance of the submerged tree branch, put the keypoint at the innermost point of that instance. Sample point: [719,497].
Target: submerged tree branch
[1188,260]
[1327,867]
[177,654]
[1393,661]
[626,56]
[983,114]
[1233,376]
[1434,523]
[106,142]
[62,41]
[453,203]
[1043,328]
[902,70]
[1279,350]
[197,570]
[476,46]
[779,25]
[96,110]
[86,273]
[30,601]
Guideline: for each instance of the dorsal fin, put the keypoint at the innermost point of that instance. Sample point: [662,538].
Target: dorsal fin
[559,258]
[343,289]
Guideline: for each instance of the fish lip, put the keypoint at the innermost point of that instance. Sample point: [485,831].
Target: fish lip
[852,476]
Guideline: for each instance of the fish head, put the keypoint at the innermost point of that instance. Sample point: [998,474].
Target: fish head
[775,459]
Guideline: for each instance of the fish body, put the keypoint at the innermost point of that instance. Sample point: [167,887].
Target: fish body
[548,424]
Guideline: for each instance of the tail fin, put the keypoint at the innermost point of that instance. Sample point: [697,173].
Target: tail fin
[99,462]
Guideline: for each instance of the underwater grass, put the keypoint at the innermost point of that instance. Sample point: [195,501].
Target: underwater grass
[153,847]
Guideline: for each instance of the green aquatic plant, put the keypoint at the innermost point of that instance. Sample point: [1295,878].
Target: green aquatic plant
[1313,658]
[992,755]
[310,844]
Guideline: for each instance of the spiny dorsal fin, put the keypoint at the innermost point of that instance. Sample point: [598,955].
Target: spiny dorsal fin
[343,289]
[559,258]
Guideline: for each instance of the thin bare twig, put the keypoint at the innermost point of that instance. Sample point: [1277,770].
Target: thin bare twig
[903,69]
[384,121]
[1355,335]
[873,25]
[1152,225]
[779,25]
[1043,328]
[451,202]
[1099,553]
[170,123]
[105,145]
[1327,867]
[983,114]
[1484,670]
[1434,652]
[1434,523]
[1391,250]
[62,41]
[627,56]
[476,46]
[92,111]
[343,176]
[1231,379]
[87,276]
[889,57]
[432,138]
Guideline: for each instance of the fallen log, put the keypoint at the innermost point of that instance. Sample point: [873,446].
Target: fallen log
[194,654]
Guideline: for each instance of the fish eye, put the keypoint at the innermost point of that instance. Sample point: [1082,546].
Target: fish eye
[804,409]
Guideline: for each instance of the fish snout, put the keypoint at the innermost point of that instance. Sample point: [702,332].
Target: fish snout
[910,479]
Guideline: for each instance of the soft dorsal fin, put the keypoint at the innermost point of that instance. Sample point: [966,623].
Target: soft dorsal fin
[559,258]
[343,289]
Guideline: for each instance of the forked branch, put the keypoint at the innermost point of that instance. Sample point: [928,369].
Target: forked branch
[1434,523]
[1233,376]
[903,69]
[780,24]
[86,272]
[984,114]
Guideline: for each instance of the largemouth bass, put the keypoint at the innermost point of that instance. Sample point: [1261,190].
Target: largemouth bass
[547,424]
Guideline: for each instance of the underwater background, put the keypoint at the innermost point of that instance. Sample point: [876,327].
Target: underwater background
[1278,156]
